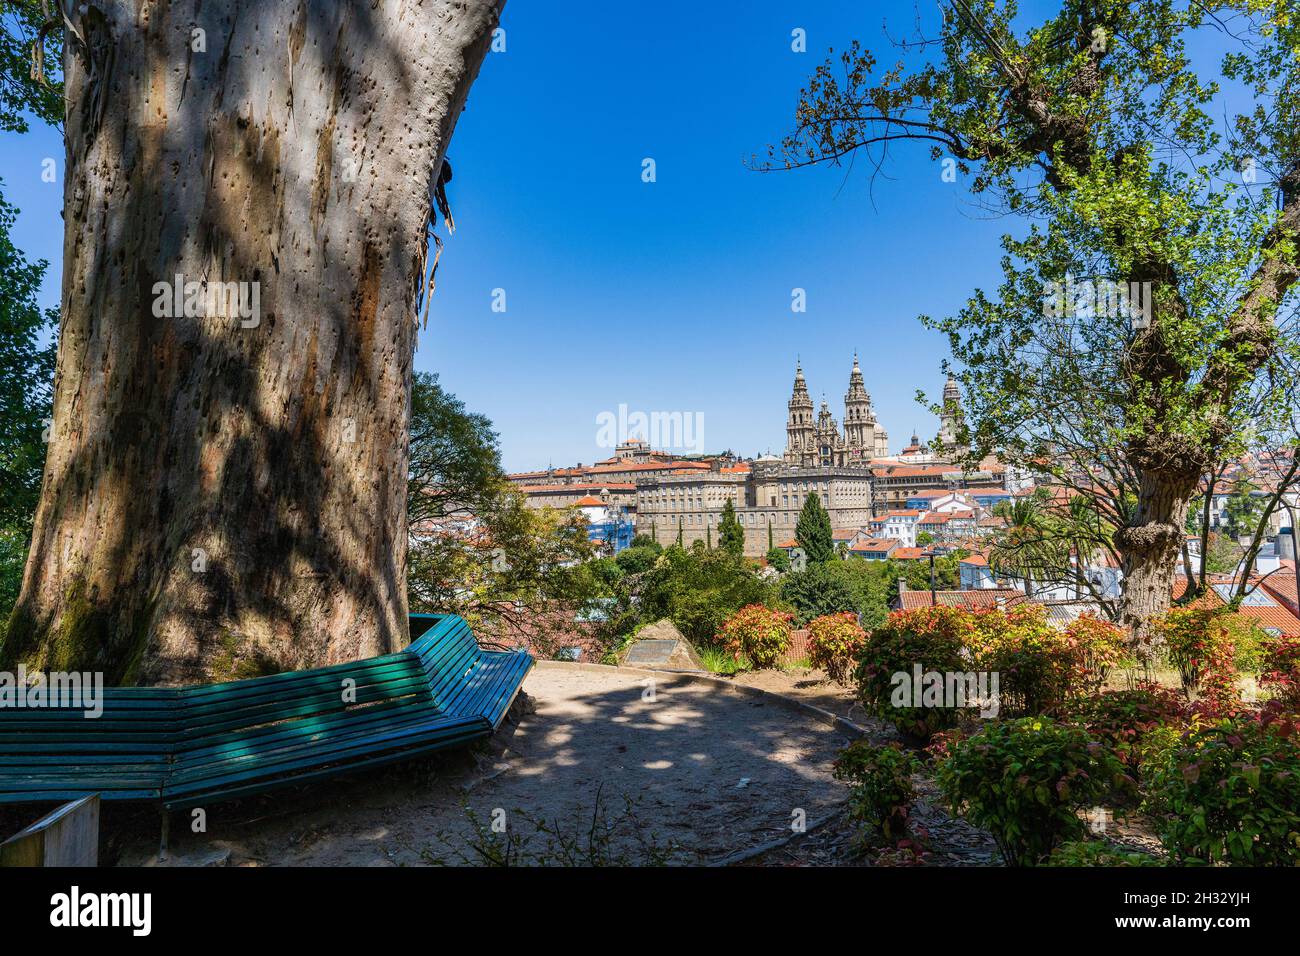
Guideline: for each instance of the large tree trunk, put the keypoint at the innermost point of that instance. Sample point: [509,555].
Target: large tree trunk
[1150,547]
[220,494]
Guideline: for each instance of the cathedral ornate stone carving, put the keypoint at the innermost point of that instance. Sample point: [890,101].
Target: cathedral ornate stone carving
[818,442]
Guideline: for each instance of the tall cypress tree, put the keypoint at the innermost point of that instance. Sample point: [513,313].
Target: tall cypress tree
[731,536]
[813,532]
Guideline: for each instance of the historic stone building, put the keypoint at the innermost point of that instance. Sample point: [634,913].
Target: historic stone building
[951,418]
[767,495]
[818,442]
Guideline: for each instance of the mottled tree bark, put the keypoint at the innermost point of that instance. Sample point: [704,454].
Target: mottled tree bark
[225,493]
[1150,546]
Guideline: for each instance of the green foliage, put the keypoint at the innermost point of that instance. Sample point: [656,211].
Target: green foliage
[698,591]
[638,557]
[1280,671]
[26,380]
[834,643]
[1098,853]
[1125,721]
[815,592]
[731,536]
[933,637]
[1039,669]
[716,660]
[813,531]
[1243,509]
[758,634]
[455,468]
[607,572]
[1025,781]
[778,559]
[1200,644]
[19,92]
[883,793]
[515,571]
[1229,793]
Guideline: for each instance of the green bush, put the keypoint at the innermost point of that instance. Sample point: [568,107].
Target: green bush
[834,643]
[638,558]
[1125,720]
[1229,793]
[882,794]
[778,559]
[1041,669]
[758,633]
[932,637]
[607,573]
[1201,644]
[1098,853]
[1280,671]
[697,591]
[1025,781]
[814,593]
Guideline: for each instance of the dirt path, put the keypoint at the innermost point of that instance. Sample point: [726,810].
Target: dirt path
[688,774]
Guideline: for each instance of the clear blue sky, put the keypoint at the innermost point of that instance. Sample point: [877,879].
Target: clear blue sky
[675,295]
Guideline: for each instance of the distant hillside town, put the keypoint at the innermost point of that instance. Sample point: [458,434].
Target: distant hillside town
[863,487]
[924,500]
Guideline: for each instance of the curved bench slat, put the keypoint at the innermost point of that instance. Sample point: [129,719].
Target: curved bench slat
[192,745]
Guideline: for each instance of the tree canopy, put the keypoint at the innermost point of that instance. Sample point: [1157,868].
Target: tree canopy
[1145,325]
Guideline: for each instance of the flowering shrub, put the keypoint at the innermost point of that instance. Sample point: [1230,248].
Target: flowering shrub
[1039,669]
[932,637]
[1280,671]
[1220,694]
[1229,793]
[834,642]
[882,789]
[758,633]
[1197,641]
[1038,666]
[1024,781]
[1123,720]
[1097,646]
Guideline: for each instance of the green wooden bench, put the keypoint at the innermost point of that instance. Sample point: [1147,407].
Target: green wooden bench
[188,746]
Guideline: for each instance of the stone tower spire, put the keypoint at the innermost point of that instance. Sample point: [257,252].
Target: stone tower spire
[951,418]
[864,439]
[829,443]
[859,420]
[799,426]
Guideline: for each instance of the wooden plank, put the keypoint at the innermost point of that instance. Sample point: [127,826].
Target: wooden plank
[67,837]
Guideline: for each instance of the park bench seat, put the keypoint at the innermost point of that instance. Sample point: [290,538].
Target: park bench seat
[194,745]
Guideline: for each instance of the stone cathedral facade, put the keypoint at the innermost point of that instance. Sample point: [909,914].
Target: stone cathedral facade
[817,441]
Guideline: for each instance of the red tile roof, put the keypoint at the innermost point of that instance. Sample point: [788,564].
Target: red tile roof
[907,554]
[1274,616]
[1281,584]
[561,489]
[875,544]
[986,597]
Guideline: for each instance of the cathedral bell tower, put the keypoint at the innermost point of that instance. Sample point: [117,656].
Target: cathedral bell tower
[799,427]
[859,420]
[951,418]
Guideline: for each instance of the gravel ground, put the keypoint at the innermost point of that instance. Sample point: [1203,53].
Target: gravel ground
[597,771]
